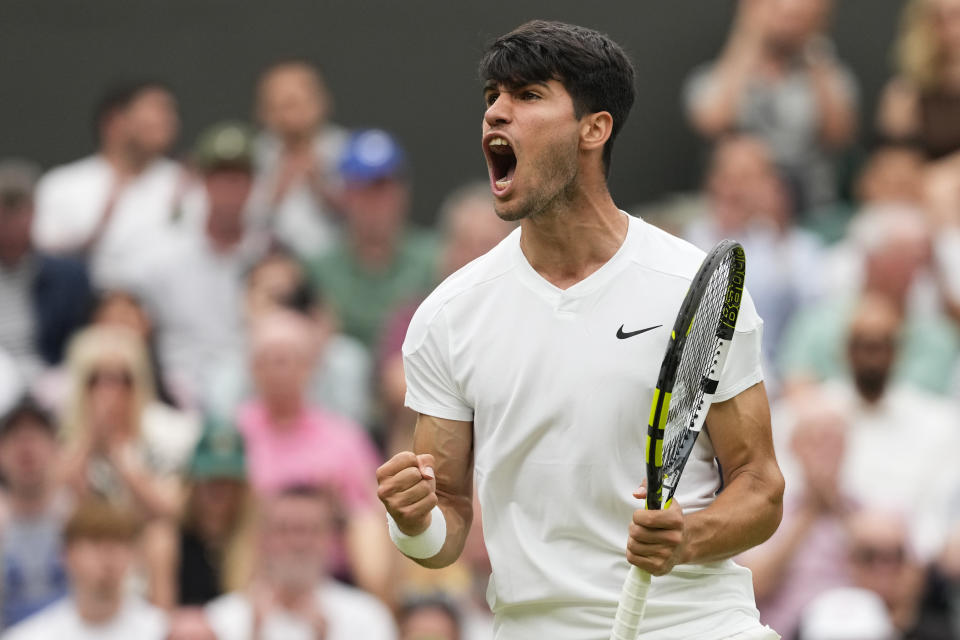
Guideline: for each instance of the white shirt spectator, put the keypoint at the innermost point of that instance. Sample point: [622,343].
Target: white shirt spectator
[299,221]
[70,202]
[195,296]
[887,228]
[136,619]
[350,614]
[900,453]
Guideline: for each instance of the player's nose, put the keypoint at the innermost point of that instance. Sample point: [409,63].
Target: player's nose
[499,112]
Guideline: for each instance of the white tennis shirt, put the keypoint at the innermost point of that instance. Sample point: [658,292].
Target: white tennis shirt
[559,406]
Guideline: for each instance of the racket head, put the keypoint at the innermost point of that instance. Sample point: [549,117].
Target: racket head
[690,372]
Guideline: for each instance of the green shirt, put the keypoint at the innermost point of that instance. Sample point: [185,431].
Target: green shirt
[363,299]
[815,346]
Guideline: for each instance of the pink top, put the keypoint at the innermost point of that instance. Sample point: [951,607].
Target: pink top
[318,448]
[820,563]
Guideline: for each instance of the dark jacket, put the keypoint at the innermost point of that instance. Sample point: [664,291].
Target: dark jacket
[62,303]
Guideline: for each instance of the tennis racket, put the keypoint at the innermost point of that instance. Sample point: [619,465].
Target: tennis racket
[688,379]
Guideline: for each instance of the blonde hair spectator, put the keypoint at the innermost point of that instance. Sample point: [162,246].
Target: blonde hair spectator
[919,50]
[89,350]
[920,104]
[121,443]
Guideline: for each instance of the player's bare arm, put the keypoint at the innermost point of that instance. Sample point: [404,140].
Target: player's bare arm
[745,513]
[439,472]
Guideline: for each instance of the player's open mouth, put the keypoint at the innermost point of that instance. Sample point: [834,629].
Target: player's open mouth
[501,161]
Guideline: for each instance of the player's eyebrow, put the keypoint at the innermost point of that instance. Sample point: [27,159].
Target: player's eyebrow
[493,85]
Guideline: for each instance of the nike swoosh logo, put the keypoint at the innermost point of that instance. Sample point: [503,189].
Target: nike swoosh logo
[629,334]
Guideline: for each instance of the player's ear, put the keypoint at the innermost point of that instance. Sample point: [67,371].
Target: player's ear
[595,130]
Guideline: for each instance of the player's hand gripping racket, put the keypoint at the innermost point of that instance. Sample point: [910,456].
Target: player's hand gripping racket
[688,379]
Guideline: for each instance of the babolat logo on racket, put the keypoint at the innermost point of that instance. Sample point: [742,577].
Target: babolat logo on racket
[731,308]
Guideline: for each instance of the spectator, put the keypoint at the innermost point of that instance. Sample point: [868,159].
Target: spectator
[119,308]
[892,175]
[121,444]
[469,227]
[746,200]
[193,284]
[99,550]
[778,78]
[807,554]
[921,103]
[33,508]
[380,263]
[288,441]
[880,413]
[45,298]
[291,596]
[190,623]
[882,560]
[341,376]
[430,619]
[847,614]
[275,281]
[892,245]
[297,157]
[115,204]
[212,553]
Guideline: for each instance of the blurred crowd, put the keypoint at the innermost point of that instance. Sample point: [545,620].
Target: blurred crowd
[200,358]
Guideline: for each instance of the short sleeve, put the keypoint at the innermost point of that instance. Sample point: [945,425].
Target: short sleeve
[742,369]
[52,230]
[431,387]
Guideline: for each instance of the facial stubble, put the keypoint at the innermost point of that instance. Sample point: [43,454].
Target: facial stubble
[556,187]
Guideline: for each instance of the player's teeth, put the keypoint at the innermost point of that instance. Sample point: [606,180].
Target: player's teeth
[496,142]
[503,182]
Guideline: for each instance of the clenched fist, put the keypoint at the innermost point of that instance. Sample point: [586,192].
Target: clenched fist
[657,539]
[408,489]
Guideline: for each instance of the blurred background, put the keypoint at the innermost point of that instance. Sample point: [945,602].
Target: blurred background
[420,58]
[217,219]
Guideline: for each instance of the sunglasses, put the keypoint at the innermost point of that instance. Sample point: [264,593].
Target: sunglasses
[863,343]
[872,556]
[110,376]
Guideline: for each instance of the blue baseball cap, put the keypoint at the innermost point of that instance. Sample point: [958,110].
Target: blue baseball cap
[371,154]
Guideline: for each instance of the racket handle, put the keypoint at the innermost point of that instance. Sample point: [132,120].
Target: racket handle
[633,602]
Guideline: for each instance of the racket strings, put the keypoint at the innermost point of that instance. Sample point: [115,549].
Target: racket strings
[698,361]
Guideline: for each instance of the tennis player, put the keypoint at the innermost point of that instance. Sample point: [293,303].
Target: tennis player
[534,366]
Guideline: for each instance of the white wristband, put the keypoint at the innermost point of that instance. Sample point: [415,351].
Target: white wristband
[423,545]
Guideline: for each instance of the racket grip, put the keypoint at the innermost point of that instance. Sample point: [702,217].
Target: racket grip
[633,602]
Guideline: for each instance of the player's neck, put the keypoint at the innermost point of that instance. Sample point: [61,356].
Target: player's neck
[575,238]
